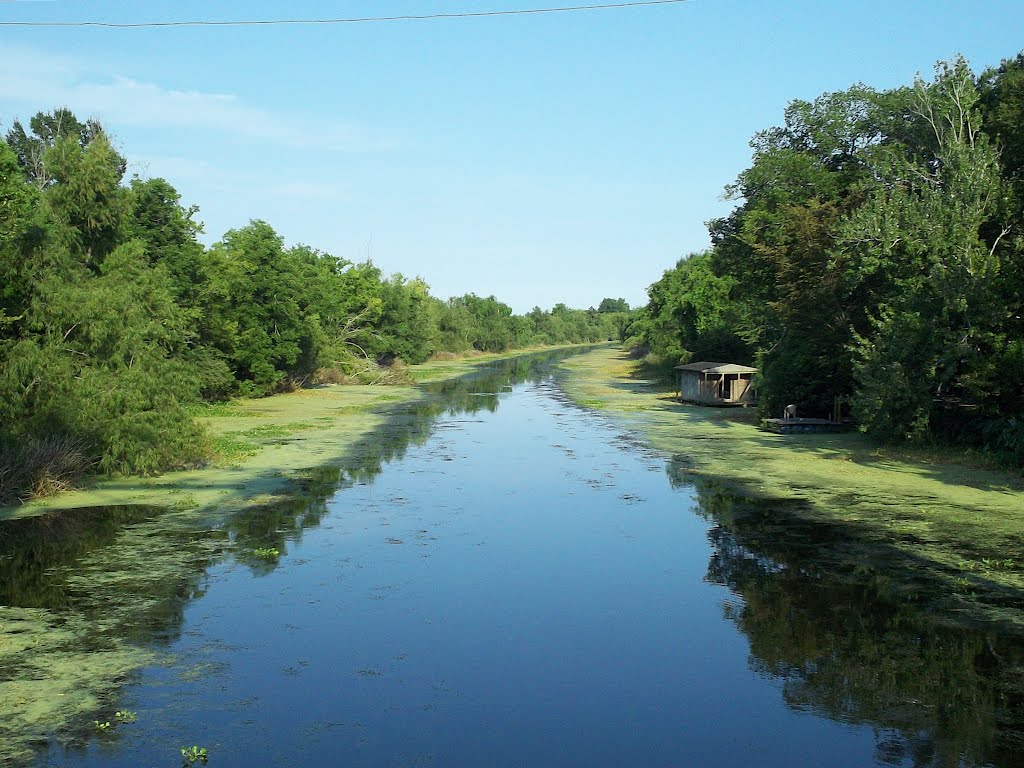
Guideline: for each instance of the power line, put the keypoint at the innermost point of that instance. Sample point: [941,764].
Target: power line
[354,20]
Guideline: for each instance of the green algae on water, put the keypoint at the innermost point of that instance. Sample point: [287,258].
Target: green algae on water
[957,528]
[96,584]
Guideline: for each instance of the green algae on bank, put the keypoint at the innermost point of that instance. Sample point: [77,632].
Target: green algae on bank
[263,446]
[68,641]
[958,528]
[63,650]
[92,594]
[50,680]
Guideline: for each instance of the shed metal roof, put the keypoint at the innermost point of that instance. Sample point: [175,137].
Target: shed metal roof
[718,368]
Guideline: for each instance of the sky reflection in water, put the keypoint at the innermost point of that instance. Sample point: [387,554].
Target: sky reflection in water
[521,585]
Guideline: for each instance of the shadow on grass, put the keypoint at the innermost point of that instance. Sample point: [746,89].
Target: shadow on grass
[975,555]
[938,464]
[946,465]
[796,530]
[854,633]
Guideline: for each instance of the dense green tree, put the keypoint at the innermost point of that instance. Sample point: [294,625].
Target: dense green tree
[937,332]
[114,318]
[454,325]
[85,196]
[613,305]
[99,365]
[491,319]
[170,234]
[253,307]
[777,246]
[875,253]
[1001,98]
[20,233]
[46,129]
[1002,104]
[405,325]
[691,316]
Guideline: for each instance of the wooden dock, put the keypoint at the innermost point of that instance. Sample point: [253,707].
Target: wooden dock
[798,426]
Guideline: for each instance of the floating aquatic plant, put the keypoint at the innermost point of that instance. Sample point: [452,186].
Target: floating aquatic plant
[192,755]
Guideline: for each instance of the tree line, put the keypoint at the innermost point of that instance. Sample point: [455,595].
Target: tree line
[875,254]
[115,319]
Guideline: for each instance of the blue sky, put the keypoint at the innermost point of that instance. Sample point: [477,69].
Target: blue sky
[537,158]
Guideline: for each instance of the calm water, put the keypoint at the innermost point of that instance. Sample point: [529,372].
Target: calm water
[502,579]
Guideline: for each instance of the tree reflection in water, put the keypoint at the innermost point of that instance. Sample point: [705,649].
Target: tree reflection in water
[113,583]
[857,646]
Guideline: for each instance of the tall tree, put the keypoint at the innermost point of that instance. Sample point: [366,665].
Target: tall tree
[20,233]
[45,130]
[85,195]
[253,307]
[938,326]
[169,232]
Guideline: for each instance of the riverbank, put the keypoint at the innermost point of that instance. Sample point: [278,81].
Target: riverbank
[264,448]
[945,534]
[136,547]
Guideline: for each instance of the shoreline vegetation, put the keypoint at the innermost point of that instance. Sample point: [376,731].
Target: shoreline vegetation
[262,447]
[872,265]
[117,323]
[935,531]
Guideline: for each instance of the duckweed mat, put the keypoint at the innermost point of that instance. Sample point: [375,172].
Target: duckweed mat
[951,534]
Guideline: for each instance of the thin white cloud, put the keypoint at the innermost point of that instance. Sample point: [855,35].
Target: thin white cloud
[33,80]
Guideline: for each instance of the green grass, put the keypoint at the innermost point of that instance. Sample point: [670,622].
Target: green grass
[234,409]
[188,501]
[268,430]
[351,409]
[230,449]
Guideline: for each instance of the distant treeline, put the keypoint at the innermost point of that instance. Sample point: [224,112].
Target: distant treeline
[115,319]
[876,254]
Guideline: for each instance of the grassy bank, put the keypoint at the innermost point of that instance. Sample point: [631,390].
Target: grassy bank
[946,533]
[263,447]
[259,446]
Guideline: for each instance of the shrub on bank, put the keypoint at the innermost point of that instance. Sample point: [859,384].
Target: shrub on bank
[41,467]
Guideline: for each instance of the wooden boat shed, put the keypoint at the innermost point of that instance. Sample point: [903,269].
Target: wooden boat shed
[716,383]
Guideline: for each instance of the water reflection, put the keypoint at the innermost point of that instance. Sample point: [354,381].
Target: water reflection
[81,591]
[43,558]
[860,649]
[34,553]
[85,590]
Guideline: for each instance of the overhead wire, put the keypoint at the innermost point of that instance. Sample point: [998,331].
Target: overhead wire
[351,20]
